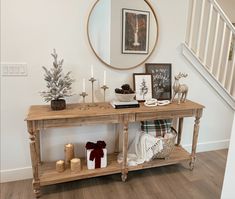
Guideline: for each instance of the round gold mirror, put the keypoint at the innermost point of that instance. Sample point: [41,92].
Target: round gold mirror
[122,33]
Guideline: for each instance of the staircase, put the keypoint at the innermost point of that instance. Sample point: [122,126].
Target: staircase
[210,46]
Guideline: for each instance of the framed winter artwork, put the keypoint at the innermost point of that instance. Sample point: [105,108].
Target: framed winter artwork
[135,31]
[161,80]
[143,86]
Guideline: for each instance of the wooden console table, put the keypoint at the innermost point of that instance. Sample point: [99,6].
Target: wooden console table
[42,117]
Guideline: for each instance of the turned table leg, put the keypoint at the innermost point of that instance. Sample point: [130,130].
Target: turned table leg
[125,149]
[34,159]
[195,138]
[180,128]
[37,143]
[117,133]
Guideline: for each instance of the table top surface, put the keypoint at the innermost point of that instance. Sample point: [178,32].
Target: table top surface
[44,112]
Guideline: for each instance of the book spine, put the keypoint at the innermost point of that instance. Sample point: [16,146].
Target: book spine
[126,106]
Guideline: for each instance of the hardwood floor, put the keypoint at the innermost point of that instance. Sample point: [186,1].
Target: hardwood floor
[169,182]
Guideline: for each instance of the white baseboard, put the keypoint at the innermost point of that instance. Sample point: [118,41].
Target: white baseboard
[26,172]
[209,146]
[16,174]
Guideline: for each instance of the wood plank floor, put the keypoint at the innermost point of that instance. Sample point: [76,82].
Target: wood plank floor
[169,182]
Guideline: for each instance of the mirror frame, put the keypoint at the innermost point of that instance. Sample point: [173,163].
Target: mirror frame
[115,67]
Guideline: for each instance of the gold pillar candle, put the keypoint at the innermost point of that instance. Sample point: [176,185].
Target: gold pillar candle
[75,165]
[69,153]
[60,166]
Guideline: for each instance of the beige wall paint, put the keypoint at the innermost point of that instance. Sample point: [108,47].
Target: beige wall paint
[229,8]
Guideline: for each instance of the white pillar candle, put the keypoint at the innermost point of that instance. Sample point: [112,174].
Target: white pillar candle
[92,72]
[105,77]
[75,165]
[69,153]
[60,167]
[83,85]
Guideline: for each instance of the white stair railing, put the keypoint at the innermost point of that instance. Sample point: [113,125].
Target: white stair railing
[211,38]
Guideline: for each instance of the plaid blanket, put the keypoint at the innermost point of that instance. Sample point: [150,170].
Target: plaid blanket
[157,127]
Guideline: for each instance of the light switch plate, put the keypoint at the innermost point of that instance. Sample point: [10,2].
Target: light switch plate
[14,69]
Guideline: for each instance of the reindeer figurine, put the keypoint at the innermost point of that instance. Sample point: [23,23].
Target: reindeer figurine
[180,89]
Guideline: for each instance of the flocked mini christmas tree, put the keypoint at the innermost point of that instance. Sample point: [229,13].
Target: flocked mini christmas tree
[58,84]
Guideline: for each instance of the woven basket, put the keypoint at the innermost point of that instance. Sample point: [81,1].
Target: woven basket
[168,146]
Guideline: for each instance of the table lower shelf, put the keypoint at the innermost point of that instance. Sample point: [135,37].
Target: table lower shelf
[48,174]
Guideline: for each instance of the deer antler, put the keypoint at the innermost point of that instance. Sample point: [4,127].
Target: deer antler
[182,75]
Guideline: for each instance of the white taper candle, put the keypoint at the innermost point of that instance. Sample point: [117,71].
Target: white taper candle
[105,77]
[83,86]
[92,71]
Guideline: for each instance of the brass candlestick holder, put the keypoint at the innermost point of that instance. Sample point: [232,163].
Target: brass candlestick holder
[104,87]
[92,80]
[84,94]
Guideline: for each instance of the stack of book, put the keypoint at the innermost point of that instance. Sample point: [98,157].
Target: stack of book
[118,105]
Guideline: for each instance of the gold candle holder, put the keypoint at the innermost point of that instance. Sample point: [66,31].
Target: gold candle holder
[104,87]
[83,94]
[92,80]
[75,165]
[69,153]
[60,166]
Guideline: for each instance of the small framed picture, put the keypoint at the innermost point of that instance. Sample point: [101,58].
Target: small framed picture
[143,86]
[135,31]
[161,80]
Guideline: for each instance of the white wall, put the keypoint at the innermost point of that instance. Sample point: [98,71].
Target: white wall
[228,191]
[31,29]
[229,8]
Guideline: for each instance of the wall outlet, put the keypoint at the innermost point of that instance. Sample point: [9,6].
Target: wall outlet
[14,69]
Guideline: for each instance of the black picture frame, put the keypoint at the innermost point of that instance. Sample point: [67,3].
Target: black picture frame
[135,31]
[143,86]
[161,72]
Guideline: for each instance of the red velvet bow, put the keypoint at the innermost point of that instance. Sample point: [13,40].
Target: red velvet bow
[97,152]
